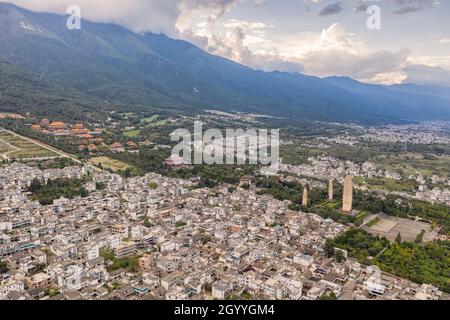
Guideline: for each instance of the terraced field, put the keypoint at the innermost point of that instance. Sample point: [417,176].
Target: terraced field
[15,147]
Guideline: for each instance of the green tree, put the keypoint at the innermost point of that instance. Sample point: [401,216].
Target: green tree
[3,267]
[180,224]
[52,292]
[329,296]
[419,237]
[100,186]
[340,257]
[329,248]
[107,254]
[35,185]
[398,238]
[147,223]
[153,185]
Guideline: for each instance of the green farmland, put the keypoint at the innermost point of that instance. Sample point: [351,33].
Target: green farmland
[16,147]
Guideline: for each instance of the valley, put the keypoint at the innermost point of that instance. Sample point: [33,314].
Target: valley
[95,204]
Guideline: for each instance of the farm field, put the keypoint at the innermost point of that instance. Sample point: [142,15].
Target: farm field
[132,133]
[108,163]
[149,122]
[150,119]
[15,147]
[411,163]
[160,123]
[154,121]
[386,184]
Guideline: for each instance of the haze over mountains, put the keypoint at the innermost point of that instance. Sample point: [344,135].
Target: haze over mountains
[108,62]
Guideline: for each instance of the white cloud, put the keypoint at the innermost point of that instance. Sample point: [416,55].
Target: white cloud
[333,51]
[242,41]
[426,75]
[431,61]
[160,16]
[337,52]
[408,6]
[137,15]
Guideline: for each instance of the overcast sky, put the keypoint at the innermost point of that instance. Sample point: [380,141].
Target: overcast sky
[316,37]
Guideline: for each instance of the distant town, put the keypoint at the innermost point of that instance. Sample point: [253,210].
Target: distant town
[235,152]
[154,237]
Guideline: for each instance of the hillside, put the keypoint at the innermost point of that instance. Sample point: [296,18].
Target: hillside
[148,70]
[22,91]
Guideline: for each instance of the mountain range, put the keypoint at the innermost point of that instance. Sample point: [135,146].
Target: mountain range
[72,70]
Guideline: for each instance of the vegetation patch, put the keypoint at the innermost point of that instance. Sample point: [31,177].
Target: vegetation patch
[132,133]
[428,263]
[159,123]
[412,163]
[387,184]
[131,264]
[108,163]
[150,119]
[373,222]
[3,267]
[55,189]
[16,147]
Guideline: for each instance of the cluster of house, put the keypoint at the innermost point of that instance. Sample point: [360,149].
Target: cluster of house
[118,147]
[133,147]
[154,237]
[435,195]
[343,139]
[90,138]
[424,133]
[434,190]
[59,128]
[324,167]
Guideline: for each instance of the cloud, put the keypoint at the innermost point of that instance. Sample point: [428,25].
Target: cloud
[244,42]
[330,9]
[191,20]
[137,15]
[427,75]
[407,9]
[361,7]
[159,16]
[335,51]
[407,6]
[211,9]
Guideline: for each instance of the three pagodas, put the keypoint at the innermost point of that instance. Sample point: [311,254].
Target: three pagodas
[347,198]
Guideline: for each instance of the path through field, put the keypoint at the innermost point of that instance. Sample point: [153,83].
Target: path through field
[40,144]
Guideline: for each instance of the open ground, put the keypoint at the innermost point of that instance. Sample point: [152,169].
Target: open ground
[390,227]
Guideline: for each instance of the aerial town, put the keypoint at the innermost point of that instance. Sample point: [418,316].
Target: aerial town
[154,237]
[325,167]
[232,153]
